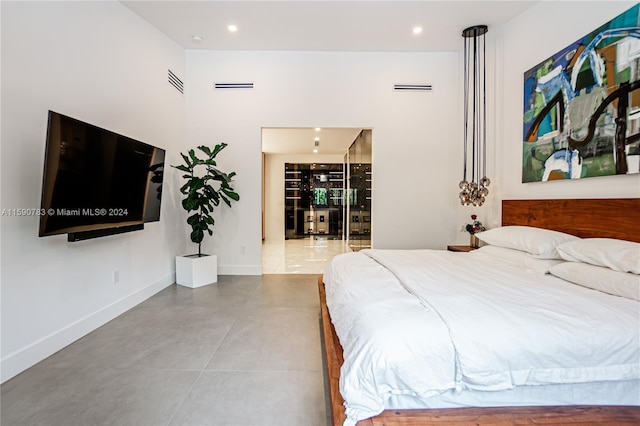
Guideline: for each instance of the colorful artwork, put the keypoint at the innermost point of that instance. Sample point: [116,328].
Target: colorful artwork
[582,106]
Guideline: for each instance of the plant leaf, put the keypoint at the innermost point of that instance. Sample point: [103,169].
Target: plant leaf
[196,183]
[231,194]
[192,154]
[217,149]
[197,236]
[182,167]
[189,204]
[205,149]
[193,219]
[186,160]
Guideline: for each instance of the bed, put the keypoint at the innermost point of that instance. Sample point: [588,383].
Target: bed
[593,377]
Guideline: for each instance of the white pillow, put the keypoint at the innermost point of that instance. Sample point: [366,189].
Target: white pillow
[539,242]
[619,255]
[599,278]
[517,258]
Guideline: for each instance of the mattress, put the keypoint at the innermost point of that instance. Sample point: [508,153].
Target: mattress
[435,329]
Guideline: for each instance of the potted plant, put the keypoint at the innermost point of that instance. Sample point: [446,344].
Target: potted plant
[206,186]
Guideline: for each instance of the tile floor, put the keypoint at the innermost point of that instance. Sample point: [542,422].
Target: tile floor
[243,351]
[308,255]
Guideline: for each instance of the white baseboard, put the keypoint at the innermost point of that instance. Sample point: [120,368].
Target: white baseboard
[19,361]
[239,270]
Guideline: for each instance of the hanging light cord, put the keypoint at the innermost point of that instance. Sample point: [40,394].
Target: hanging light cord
[475,190]
[476,106]
[466,102]
[484,109]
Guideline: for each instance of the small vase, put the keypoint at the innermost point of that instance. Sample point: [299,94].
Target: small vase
[474,243]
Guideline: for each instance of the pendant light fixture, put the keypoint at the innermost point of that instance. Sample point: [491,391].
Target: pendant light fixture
[474,189]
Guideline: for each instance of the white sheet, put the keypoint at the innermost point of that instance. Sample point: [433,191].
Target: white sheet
[429,322]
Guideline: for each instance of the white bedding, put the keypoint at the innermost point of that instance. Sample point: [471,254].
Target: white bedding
[428,324]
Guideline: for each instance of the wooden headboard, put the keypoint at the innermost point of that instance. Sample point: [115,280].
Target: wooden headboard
[586,218]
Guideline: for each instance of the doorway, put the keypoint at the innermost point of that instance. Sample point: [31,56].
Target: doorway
[287,249]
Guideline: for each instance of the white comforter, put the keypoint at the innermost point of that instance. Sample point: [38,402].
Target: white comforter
[422,322]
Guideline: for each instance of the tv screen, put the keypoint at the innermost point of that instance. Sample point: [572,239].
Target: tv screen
[95,179]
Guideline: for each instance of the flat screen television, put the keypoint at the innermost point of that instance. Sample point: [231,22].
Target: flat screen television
[97,182]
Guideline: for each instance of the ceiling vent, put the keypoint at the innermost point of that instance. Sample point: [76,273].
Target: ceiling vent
[233,85]
[412,87]
[176,82]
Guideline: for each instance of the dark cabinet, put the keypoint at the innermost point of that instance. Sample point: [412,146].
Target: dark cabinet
[314,198]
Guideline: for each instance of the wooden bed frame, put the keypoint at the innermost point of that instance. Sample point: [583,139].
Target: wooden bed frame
[586,218]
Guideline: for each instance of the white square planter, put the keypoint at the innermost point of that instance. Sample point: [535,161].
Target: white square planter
[193,271]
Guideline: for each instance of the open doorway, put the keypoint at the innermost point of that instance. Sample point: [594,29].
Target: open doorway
[305,211]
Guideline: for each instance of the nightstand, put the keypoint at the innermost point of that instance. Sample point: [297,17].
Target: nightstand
[460,249]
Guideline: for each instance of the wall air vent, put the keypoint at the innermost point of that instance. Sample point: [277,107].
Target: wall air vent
[176,82]
[233,85]
[412,87]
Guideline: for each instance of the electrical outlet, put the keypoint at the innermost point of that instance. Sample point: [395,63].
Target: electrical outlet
[116,276]
[243,249]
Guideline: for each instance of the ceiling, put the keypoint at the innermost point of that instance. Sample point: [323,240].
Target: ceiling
[302,140]
[326,25]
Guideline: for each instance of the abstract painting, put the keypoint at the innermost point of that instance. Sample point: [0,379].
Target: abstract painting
[582,106]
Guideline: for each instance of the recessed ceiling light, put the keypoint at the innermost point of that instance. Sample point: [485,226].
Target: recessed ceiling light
[232,28]
[196,38]
[316,138]
[317,129]
[417,30]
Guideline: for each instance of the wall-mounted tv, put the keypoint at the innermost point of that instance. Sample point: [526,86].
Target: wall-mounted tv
[97,182]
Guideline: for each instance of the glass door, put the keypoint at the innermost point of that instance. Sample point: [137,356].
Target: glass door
[313,200]
[358,200]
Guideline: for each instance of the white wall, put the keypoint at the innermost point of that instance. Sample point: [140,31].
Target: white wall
[524,42]
[274,188]
[100,63]
[417,136]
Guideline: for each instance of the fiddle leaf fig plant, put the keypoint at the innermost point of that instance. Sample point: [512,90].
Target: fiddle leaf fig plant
[206,186]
